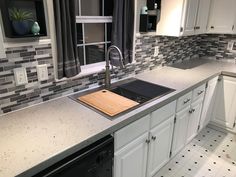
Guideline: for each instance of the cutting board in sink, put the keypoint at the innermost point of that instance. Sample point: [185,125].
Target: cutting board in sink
[108,102]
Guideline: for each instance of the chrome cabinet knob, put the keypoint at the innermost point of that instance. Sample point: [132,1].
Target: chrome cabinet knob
[186,101]
[200,92]
[191,111]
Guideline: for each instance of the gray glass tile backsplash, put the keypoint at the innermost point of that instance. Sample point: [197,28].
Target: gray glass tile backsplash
[170,49]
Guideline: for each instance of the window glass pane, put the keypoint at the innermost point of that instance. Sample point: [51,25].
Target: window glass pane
[109,30]
[81,55]
[108,7]
[95,53]
[94,32]
[91,7]
[79,33]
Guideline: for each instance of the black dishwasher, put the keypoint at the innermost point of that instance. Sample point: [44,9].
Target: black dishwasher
[95,160]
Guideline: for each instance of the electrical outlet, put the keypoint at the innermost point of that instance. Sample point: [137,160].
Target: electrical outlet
[156,52]
[42,72]
[230,45]
[20,76]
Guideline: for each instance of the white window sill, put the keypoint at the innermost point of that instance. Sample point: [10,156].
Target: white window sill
[90,69]
[87,70]
[26,42]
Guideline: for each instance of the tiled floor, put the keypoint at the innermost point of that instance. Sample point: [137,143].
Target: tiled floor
[210,154]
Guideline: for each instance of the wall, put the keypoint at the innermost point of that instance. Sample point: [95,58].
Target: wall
[170,50]
[16,97]
[214,45]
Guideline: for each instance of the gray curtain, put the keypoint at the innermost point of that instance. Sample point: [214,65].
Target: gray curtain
[65,20]
[123,30]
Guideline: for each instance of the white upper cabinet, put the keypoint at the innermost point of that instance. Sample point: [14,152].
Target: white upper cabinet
[202,16]
[225,104]
[2,49]
[183,17]
[222,16]
[171,16]
[189,19]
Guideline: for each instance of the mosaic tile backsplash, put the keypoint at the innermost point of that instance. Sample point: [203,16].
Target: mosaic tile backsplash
[170,49]
[216,46]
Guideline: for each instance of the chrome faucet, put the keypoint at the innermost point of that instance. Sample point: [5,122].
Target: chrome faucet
[108,74]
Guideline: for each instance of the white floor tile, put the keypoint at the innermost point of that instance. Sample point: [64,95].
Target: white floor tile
[210,154]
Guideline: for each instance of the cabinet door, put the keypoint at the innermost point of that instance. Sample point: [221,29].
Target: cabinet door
[180,130]
[2,50]
[225,103]
[208,103]
[194,119]
[131,160]
[190,15]
[171,16]
[160,146]
[222,16]
[202,16]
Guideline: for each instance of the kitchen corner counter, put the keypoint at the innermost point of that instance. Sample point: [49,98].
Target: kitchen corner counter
[35,138]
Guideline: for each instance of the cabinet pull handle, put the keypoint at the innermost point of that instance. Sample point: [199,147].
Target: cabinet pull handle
[186,101]
[147,141]
[212,27]
[200,92]
[191,111]
[154,138]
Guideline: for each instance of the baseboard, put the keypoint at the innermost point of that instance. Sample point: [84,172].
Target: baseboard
[219,128]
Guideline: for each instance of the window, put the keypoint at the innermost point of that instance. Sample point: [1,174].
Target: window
[94,25]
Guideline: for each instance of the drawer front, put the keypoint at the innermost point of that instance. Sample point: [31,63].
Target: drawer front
[131,132]
[199,92]
[184,101]
[162,114]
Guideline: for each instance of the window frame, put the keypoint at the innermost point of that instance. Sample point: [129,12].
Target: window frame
[92,20]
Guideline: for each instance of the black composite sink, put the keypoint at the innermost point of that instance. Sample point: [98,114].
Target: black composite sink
[134,89]
[141,91]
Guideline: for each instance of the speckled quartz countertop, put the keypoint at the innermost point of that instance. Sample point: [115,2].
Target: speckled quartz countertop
[34,138]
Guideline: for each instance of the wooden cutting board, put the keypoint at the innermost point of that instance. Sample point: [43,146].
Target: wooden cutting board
[108,102]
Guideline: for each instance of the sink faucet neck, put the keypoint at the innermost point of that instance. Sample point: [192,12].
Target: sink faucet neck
[107,73]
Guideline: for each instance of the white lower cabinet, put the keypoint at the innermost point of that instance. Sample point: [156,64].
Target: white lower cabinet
[225,103]
[194,119]
[187,118]
[146,145]
[160,146]
[131,161]
[153,146]
[208,103]
[180,130]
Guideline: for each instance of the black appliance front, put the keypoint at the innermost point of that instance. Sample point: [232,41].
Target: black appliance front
[93,161]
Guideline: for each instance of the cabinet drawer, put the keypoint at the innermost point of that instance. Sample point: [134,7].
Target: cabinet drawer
[199,92]
[131,132]
[184,101]
[163,114]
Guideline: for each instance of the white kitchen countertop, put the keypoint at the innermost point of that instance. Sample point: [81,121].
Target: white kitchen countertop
[34,138]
